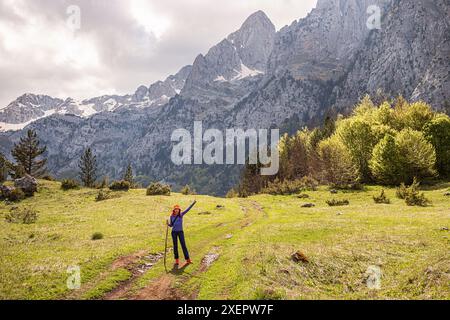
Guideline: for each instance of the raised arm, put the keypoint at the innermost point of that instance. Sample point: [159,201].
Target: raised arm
[190,207]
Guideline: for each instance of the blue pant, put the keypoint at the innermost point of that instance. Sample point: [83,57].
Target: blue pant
[179,235]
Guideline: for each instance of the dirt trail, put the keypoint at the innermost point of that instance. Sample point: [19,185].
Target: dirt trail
[137,263]
[163,287]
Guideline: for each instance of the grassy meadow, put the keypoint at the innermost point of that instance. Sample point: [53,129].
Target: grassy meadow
[241,247]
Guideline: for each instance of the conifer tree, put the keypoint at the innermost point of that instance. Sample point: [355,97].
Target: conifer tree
[128,176]
[5,167]
[88,168]
[27,152]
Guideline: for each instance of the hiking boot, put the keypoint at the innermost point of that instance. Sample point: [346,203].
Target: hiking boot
[177,262]
[188,261]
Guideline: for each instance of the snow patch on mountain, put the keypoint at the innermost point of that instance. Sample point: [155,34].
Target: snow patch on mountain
[246,72]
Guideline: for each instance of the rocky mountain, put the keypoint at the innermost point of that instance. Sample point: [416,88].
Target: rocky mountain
[30,107]
[232,68]
[260,78]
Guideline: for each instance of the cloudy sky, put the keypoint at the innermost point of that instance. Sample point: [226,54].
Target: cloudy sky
[119,45]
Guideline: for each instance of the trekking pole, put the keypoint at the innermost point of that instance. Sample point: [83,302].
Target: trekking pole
[165,247]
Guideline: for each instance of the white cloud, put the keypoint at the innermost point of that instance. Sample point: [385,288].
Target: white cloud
[153,22]
[121,44]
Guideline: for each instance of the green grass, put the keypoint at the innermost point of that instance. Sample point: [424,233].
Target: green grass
[407,244]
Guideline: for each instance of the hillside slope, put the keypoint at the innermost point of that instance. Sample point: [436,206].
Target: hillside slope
[241,247]
[259,78]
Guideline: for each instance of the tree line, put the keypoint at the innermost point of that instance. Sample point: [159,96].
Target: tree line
[30,159]
[388,144]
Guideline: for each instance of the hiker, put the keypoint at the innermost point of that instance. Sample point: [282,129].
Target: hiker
[176,223]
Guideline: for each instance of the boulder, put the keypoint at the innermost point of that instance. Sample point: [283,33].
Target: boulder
[308,205]
[27,184]
[6,191]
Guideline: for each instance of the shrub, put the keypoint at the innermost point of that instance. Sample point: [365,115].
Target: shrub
[48,177]
[186,190]
[381,198]
[24,216]
[309,183]
[97,236]
[335,203]
[121,185]
[411,194]
[103,195]
[232,194]
[68,184]
[417,199]
[158,189]
[402,191]
[243,193]
[285,187]
[104,183]
[288,187]
[16,195]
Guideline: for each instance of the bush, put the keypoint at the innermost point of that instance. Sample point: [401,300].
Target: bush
[232,194]
[24,216]
[97,236]
[381,198]
[103,195]
[288,187]
[48,177]
[68,184]
[158,189]
[120,186]
[402,191]
[335,203]
[16,195]
[417,199]
[411,194]
[104,184]
[309,183]
[187,190]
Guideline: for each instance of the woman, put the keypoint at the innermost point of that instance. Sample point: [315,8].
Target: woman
[176,223]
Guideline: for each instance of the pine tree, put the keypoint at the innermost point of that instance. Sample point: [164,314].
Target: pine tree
[27,152]
[5,167]
[129,175]
[88,168]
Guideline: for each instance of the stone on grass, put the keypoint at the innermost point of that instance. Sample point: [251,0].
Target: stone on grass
[6,191]
[308,205]
[27,184]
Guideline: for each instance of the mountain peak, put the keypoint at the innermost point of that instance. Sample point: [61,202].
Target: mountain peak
[258,18]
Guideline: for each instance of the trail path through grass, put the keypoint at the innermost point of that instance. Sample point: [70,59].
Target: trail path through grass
[166,286]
